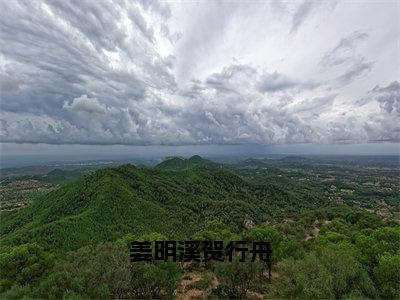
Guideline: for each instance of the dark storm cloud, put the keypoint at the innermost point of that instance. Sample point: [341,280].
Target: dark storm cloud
[57,74]
[57,58]
[225,110]
[115,72]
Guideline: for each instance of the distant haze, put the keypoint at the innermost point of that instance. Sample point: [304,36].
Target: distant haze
[17,155]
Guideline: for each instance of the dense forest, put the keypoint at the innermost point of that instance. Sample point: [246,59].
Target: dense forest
[327,243]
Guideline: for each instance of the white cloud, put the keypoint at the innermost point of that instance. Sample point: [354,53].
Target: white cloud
[85,104]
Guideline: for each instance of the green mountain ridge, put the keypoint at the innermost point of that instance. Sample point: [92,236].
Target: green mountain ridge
[324,249]
[180,163]
[112,202]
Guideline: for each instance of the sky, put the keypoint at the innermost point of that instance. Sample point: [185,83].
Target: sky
[103,75]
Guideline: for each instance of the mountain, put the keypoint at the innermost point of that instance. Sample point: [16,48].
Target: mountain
[180,163]
[112,202]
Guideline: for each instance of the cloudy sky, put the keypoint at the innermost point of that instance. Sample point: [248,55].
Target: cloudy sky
[199,73]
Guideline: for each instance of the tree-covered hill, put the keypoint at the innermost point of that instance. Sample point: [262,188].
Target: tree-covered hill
[114,201]
[74,241]
[180,163]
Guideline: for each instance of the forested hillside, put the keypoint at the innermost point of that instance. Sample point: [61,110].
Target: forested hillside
[111,202]
[180,163]
[73,241]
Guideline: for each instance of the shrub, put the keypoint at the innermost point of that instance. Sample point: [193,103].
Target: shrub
[323,275]
[215,230]
[336,225]
[387,275]
[23,265]
[91,272]
[306,278]
[105,272]
[272,235]
[17,292]
[204,283]
[236,278]
[151,281]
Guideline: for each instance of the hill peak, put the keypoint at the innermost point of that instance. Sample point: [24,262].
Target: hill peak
[174,157]
[180,163]
[196,158]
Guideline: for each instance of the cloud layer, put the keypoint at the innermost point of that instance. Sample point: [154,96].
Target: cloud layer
[158,73]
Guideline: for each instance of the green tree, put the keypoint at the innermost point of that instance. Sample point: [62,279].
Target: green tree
[387,275]
[336,225]
[24,264]
[237,278]
[215,230]
[306,278]
[362,219]
[374,243]
[105,272]
[100,272]
[348,275]
[148,237]
[17,292]
[154,280]
[325,274]
[275,237]
[329,239]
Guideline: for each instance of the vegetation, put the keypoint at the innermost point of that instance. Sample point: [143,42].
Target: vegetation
[179,163]
[102,272]
[23,264]
[237,278]
[73,241]
[113,202]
